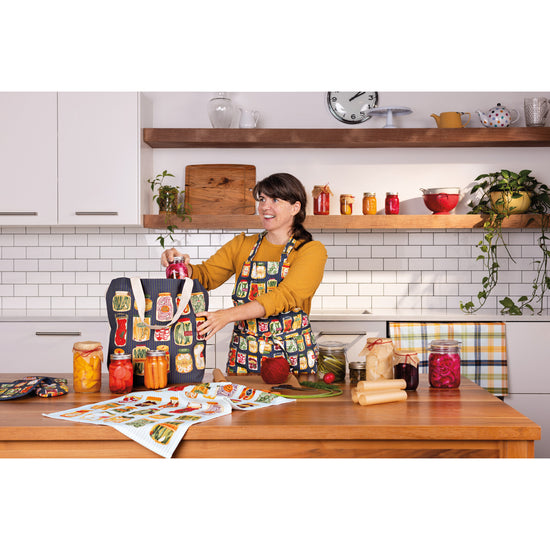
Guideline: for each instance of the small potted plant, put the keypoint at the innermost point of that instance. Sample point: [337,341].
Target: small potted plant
[502,194]
[167,199]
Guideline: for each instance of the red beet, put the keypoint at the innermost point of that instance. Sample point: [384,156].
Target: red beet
[275,370]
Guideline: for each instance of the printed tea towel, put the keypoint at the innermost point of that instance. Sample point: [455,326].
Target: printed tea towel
[482,351]
[158,420]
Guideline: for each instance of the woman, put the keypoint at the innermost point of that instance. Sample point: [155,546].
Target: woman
[277,273]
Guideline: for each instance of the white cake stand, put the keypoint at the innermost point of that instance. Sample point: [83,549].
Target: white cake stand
[389,112]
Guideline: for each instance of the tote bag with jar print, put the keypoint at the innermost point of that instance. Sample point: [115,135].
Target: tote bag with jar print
[158,314]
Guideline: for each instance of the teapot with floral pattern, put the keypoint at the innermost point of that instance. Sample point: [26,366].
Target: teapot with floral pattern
[498,117]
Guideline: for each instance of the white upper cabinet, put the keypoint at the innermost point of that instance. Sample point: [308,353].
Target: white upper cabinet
[28,158]
[99,158]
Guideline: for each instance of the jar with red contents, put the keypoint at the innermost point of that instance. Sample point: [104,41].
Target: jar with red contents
[121,373]
[392,203]
[177,269]
[321,200]
[444,364]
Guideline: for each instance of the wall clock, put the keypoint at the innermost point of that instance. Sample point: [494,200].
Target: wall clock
[351,107]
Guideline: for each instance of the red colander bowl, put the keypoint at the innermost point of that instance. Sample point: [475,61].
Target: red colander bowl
[441,200]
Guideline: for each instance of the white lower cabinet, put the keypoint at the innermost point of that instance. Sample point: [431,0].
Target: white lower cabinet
[529,375]
[46,347]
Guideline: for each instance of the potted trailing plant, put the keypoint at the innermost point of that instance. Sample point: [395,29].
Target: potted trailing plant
[167,199]
[503,194]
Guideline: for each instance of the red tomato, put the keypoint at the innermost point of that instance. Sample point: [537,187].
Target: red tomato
[329,377]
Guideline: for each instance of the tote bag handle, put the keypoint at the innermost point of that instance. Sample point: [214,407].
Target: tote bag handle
[139,296]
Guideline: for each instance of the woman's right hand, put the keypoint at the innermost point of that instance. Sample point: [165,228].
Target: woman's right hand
[168,256]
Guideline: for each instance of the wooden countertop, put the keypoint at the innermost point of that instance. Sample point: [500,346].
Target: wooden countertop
[466,422]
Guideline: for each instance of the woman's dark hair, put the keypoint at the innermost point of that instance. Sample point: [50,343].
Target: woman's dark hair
[288,188]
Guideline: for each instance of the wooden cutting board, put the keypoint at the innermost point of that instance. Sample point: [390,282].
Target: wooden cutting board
[220,188]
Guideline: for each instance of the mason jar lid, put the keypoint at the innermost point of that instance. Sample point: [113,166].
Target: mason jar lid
[369,194]
[357,365]
[120,356]
[331,346]
[155,353]
[391,193]
[444,345]
[177,259]
[346,196]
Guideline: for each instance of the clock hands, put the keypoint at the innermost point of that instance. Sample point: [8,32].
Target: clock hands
[356,95]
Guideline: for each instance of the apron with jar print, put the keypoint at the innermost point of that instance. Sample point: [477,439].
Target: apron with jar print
[286,335]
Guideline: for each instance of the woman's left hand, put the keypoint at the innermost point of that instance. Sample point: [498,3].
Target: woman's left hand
[215,321]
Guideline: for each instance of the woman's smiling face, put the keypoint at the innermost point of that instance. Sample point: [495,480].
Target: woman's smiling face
[277,214]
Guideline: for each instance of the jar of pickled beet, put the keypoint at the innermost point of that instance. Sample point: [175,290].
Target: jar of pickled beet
[406,367]
[392,203]
[321,200]
[155,375]
[121,373]
[369,203]
[444,364]
[346,204]
[177,269]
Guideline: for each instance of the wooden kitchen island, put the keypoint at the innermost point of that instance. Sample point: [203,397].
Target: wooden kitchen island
[466,422]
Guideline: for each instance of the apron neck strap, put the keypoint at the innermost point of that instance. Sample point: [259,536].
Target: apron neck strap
[286,251]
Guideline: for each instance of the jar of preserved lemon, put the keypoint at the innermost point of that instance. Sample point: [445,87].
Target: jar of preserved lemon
[369,203]
[346,204]
[155,375]
[87,358]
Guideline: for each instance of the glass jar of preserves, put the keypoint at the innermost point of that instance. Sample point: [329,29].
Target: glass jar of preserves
[392,203]
[177,269]
[379,358]
[321,200]
[346,204]
[357,372]
[444,364]
[156,370]
[121,373]
[406,367]
[332,358]
[369,203]
[87,359]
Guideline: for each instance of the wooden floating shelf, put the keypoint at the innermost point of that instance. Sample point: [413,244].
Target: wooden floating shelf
[348,138]
[379,221]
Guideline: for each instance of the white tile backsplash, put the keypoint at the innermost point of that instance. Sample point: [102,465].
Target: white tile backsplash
[68,267]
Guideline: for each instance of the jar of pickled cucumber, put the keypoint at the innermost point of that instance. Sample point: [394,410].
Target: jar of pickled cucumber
[87,358]
[332,358]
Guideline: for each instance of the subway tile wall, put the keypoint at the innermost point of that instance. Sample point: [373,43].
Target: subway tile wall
[71,267]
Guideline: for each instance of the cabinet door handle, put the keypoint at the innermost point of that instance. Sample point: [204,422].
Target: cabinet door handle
[96,213]
[18,213]
[58,333]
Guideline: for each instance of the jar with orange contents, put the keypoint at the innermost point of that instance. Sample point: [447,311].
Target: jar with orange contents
[87,358]
[369,203]
[156,370]
[346,204]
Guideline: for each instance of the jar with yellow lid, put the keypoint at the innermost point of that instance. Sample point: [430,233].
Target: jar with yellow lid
[87,358]
[346,204]
[369,203]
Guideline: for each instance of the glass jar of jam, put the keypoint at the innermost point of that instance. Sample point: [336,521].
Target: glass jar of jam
[87,359]
[406,367]
[121,373]
[444,364]
[332,358]
[177,269]
[156,370]
[357,372]
[392,203]
[346,204]
[369,203]
[321,200]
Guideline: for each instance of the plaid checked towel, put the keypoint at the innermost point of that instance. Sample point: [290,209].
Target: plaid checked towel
[482,353]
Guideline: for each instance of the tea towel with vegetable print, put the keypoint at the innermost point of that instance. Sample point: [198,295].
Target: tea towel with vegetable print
[482,352]
[158,314]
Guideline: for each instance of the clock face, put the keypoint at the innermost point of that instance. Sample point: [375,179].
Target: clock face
[351,107]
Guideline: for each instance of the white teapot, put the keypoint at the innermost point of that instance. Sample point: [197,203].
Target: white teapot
[498,117]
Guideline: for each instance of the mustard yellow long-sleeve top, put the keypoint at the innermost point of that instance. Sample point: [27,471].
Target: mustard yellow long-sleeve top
[306,267]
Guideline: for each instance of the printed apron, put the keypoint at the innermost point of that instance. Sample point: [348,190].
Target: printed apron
[288,334]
